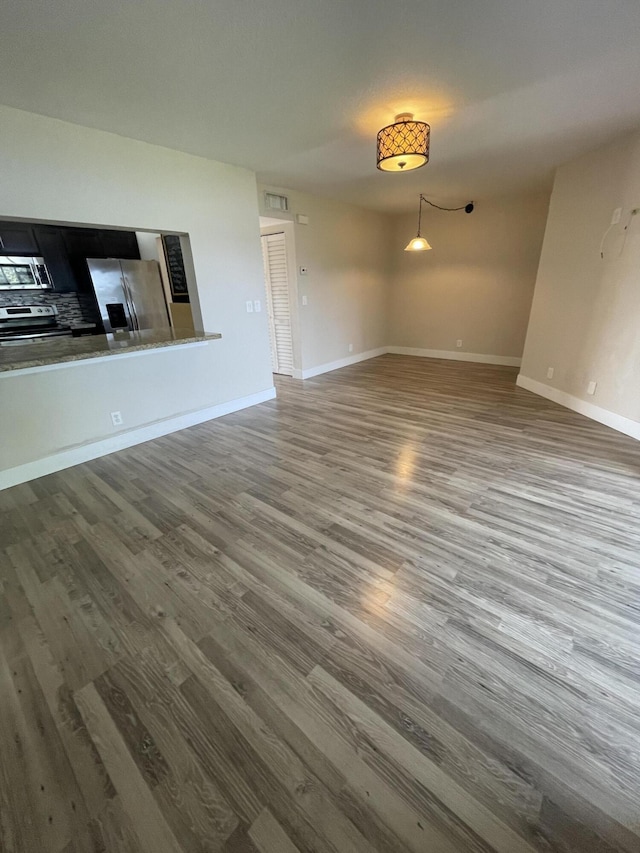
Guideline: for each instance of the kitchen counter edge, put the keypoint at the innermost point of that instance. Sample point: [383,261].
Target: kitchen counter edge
[108,346]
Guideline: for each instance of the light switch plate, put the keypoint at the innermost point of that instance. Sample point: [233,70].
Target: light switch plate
[249,306]
[591,388]
[257,307]
[305,299]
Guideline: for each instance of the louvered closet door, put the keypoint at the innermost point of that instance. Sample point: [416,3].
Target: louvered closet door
[274,254]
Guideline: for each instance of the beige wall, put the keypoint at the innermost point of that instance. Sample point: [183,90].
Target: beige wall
[346,250]
[52,170]
[476,284]
[585,318]
[147,245]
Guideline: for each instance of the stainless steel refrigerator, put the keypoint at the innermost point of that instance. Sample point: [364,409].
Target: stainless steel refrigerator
[129,294]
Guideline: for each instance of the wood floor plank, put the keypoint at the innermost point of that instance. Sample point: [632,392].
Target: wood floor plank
[88,768]
[52,798]
[268,835]
[199,813]
[112,830]
[137,799]
[423,770]
[240,842]
[197,752]
[395,609]
[297,702]
[311,798]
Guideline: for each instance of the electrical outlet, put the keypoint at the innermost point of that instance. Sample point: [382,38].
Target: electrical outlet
[550,373]
[305,299]
[116,418]
[458,343]
[257,307]
[591,388]
[617,214]
[249,306]
[350,347]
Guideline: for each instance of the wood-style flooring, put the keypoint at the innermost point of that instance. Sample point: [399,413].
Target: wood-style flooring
[396,609]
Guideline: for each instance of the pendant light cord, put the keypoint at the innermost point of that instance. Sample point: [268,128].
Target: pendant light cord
[419,239]
[437,206]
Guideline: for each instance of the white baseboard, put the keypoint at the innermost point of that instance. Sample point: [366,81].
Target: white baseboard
[452,355]
[456,355]
[85,452]
[590,410]
[336,365]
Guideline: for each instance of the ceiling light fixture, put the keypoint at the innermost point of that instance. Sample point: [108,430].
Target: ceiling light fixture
[419,243]
[403,145]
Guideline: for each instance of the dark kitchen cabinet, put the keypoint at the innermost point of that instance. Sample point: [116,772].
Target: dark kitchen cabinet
[83,243]
[101,243]
[65,250]
[80,244]
[120,244]
[16,239]
[54,252]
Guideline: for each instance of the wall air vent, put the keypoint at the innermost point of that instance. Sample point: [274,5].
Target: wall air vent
[273,201]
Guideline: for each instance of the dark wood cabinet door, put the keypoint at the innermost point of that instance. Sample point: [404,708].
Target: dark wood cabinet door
[82,243]
[17,239]
[54,252]
[119,244]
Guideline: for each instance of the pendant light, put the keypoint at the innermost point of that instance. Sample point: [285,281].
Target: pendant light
[419,243]
[403,145]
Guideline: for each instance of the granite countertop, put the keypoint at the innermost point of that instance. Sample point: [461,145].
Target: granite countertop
[18,355]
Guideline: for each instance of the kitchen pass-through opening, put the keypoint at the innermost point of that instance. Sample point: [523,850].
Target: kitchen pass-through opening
[79,279]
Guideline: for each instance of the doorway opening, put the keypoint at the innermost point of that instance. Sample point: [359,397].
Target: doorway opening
[279,309]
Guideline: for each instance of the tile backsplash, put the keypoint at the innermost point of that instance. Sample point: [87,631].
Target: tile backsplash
[73,308]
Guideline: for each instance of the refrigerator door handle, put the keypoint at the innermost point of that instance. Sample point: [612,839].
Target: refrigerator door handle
[125,291]
[130,303]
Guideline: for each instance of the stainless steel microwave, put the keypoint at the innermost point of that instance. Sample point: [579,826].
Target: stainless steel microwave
[22,273]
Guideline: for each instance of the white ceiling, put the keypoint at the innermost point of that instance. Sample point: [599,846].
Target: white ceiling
[297,89]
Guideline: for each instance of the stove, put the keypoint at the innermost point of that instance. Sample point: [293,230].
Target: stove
[30,322]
